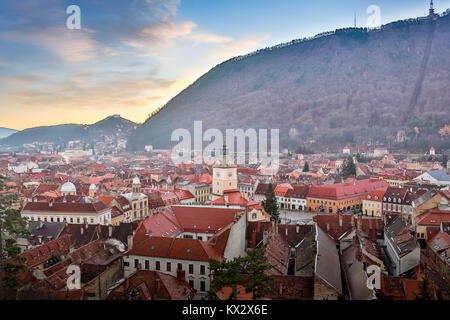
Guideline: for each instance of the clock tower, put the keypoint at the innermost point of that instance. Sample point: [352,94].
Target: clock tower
[224,176]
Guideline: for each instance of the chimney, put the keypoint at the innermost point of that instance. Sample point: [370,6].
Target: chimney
[297,229]
[328,227]
[281,289]
[130,242]
[158,285]
[127,283]
[286,231]
[81,230]
[353,221]
[340,220]
[110,231]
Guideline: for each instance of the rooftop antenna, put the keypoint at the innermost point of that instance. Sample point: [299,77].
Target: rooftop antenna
[355,17]
[431,8]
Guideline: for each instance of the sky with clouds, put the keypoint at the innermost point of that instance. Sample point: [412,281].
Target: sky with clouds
[132,56]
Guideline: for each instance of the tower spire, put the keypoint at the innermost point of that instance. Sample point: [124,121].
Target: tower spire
[224,153]
[431,8]
[355,19]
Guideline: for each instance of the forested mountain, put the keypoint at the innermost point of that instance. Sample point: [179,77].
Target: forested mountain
[4,132]
[69,132]
[348,86]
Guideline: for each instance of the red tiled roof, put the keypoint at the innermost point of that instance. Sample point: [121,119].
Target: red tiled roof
[158,225]
[241,293]
[391,288]
[433,217]
[152,285]
[346,190]
[204,219]
[291,288]
[184,195]
[106,200]
[336,231]
[277,253]
[376,195]
[234,199]
[412,288]
[41,254]
[174,248]
[65,207]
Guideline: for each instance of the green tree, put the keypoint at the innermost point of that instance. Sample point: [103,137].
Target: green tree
[349,168]
[270,204]
[12,225]
[226,274]
[424,289]
[255,267]
[306,167]
[248,271]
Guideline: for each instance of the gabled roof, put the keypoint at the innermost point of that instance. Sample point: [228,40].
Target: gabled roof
[327,265]
[277,253]
[433,217]
[174,248]
[336,231]
[300,192]
[262,188]
[345,190]
[162,224]
[41,254]
[232,198]
[43,231]
[439,175]
[204,219]
[65,207]
[152,285]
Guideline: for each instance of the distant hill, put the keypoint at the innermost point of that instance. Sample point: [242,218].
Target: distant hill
[67,132]
[348,86]
[4,132]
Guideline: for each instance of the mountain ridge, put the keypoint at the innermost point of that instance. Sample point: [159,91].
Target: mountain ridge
[67,132]
[346,86]
[5,132]
[388,60]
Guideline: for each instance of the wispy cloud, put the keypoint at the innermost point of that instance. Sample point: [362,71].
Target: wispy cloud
[129,57]
[69,45]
